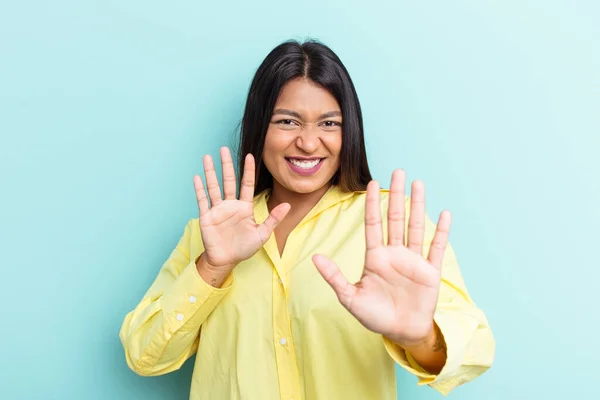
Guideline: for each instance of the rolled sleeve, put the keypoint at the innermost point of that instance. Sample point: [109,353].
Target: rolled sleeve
[469,348]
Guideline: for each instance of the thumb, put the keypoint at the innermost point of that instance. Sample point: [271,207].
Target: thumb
[344,290]
[277,214]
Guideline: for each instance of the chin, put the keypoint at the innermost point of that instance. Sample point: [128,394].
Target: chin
[305,187]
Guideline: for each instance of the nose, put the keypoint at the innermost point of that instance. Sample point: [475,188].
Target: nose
[309,139]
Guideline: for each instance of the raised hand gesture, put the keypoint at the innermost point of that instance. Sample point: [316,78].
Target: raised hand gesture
[229,232]
[398,291]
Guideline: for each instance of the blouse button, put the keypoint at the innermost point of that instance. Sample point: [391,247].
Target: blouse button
[192,299]
[282,341]
[179,317]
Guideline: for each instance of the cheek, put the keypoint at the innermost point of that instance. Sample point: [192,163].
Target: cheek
[334,144]
[270,146]
[273,148]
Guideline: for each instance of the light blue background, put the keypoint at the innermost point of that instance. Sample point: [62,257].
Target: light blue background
[106,108]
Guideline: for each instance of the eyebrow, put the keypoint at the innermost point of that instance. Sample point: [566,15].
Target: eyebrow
[294,114]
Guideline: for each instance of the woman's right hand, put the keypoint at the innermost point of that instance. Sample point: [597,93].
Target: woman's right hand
[229,232]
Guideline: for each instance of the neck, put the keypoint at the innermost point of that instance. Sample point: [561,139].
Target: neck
[301,203]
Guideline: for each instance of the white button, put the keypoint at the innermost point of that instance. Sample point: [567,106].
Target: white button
[179,317]
[282,341]
[192,299]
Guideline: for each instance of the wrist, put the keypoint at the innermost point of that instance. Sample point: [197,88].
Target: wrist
[425,343]
[419,344]
[214,276]
[430,353]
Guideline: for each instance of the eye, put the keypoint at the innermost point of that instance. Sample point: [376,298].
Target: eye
[286,122]
[332,124]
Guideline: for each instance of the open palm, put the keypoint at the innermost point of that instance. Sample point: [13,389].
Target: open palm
[398,291]
[229,232]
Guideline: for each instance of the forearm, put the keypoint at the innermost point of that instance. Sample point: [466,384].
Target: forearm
[431,353]
[162,356]
[152,333]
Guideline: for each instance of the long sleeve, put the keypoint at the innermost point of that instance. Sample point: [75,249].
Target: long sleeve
[163,331]
[469,340]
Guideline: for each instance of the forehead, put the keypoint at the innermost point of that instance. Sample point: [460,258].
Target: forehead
[301,94]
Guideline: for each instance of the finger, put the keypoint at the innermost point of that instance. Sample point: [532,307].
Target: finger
[266,228]
[212,183]
[440,240]
[396,212]
[344,290]
[373,234]
[228,174]
[200,196]
[416,222]
[247,184]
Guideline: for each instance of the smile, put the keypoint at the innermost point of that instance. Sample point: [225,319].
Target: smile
[305,167]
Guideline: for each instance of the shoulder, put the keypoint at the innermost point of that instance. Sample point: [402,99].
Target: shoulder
[193,224]
[190,242]
[191,232]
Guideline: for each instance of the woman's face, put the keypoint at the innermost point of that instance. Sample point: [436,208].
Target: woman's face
[304,138]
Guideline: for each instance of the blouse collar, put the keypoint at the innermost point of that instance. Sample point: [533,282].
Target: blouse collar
[332,196]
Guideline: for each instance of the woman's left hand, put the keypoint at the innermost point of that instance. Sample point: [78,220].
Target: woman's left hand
[398,291]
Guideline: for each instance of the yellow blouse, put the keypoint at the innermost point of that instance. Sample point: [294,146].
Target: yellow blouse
[276,329]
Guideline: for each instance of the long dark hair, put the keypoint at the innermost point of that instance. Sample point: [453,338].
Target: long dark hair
[317,62]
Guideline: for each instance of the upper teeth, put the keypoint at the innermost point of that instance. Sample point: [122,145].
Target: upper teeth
[305,164]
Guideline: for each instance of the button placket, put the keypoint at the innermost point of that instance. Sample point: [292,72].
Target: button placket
[287,364]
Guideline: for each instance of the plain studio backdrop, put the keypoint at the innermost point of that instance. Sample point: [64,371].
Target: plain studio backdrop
[106,108]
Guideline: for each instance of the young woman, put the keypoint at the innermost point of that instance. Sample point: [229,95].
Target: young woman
[299,288]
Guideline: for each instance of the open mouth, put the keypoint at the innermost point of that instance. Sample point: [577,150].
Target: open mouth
[305,166]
